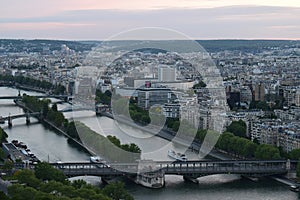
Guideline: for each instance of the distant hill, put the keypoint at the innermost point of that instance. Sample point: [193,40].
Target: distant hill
[14,45]
[246,45]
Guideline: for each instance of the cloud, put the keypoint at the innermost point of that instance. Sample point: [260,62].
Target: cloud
[221,22]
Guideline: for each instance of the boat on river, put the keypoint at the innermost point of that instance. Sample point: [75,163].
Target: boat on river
[149,175]
[151,179]
[97,159]
[295,188]
[177,156]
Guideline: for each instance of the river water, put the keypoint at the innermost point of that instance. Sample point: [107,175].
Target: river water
[50,146]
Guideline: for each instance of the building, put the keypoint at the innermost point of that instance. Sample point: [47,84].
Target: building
[148,97]
[245,94]
[266,131]
[277,133]
[171,110]
[166,74]
[259,92]
[291,96]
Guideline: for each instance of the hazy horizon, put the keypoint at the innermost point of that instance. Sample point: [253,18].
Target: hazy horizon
[199,20]
[91,40]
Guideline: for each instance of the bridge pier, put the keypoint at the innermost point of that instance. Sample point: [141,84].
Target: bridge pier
[27,119]
[9,122]
[190,179]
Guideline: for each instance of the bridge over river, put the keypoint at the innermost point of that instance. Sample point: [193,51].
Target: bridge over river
[65,97]
[191,169]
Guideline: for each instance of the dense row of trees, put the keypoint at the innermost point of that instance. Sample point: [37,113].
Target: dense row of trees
[245,148]
[237,145]
[108,147]
[58,119]
[242,147]
[138,114]
[49,183]
[3,135]
[22,80]
[3,138]
[31,82]
[127,147]
[51,114]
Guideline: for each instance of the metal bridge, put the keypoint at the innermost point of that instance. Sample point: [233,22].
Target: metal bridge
[37,96]
[26,115]
[192,169]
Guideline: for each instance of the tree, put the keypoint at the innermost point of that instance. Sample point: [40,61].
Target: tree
[127,147]
[54,107]
[295,154]
[72,131]
[267,152]
[259,105]
[3,135]
[249,150]
[223,142]
[45,171]
[60,89]
[8,165]
[298,168]
[104,98]
[79,183]
[45,108]
[3,196]
[27,176]
[201,134]
[175,126]
[238,128]
[116,191]
[201,84]
[21,192]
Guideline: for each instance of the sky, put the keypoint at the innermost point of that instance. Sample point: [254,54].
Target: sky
[102,19]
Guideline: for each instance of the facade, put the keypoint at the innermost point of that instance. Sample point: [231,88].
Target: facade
[171,110]
[246,94]
[277,133]
[285,115]
[148,97]
[259,92]
[205,118]
[291,96]
[190,112]
[166,74]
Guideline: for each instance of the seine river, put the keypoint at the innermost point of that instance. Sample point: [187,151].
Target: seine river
[50,146]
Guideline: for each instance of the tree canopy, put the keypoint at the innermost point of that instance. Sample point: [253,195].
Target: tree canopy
[31,187]
[238,128]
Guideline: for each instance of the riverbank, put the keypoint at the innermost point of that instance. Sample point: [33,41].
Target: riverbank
[49,124]
[27,88]
[71,130]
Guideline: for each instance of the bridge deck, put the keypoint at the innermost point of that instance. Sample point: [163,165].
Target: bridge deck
[20,116]
[190,168]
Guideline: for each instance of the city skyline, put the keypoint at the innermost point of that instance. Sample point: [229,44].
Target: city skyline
[99,20]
